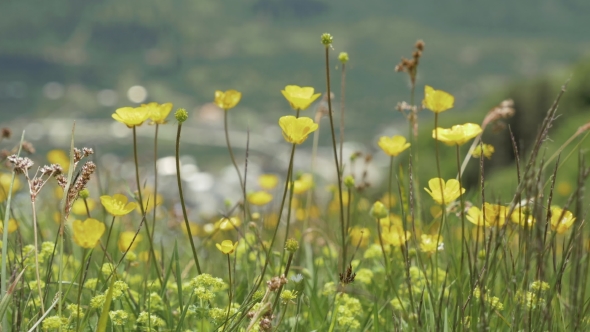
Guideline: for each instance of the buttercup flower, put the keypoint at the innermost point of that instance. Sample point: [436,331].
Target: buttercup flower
[395,236]
[522,217]
[486,149]
[12,226]
[125,239]
[495,215]
[437,100]
[131,116]
[228,99]
[458,134]
[299,97]
[378,210]
[87,233]
[303,184]
[296,130]
[449,192]
[5,179]
[117,204]
[359,236]
[561,220]
[259,198]
[268,181]
[158,112]
[430,244]
[227,247]
[393,145]
[59,157]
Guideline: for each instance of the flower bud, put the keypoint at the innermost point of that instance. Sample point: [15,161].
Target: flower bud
[84,193]
[378,210]
[181,115]
[327,39]
[349,181]
[343,57]
[291,245]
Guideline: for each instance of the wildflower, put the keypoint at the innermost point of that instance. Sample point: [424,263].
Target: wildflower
[227,247]
[228,99]
[125,241]
[158,112]
[561,220]
[117,204]
[539,285]
[152,320]
[54,323]
[228,223]
[327,39]
[268,181]
[359,236]
[75,310]
[131,116]
[87,233]
[118,317]
[458,134]
[119,288]
[475,216]
[395,236]
[181,115]
[430,243]
[365,276]
[437,100]
[98,301]
[299,97]
[288,296]
[349,181]
[522,217]
[81,207]
[444,193]
[59,157]
[5,180]
[296,130]
[329,288]
[495,303]
[374,251]
[91,283]
[378,210]
[486,149]
[259,198]
[343,57]
[291,245]
[393,145]
[302,184]
[12,226]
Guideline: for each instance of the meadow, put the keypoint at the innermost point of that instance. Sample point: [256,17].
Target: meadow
[85,251]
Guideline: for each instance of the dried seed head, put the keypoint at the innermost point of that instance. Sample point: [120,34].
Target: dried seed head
[28,147]
[5,133]
[21,164]
[420,45]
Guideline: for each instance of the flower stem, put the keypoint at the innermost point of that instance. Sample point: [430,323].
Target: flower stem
[342,95]
[155,179]
[233,160]
[230,292]
[179,181]
[143,208]
[37,275]
[463,240]
[338,173]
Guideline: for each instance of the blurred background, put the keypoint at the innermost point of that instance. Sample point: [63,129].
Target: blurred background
[66,60]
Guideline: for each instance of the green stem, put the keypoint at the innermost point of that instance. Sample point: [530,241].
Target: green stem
[233,160]
[155,179]
[230,292]
[37,275]
[342,95]
[106,246]
[179,181]
[338,173]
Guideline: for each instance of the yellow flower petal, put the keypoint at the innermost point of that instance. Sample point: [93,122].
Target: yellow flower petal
[394,145]
[444,193]
[227,246]
[125,240]
[228,99]
[268,181]
[158,112]
[259,198]
[457,135]
[117,204]
[87,233]
[299,97]
[296,130]
[437,100]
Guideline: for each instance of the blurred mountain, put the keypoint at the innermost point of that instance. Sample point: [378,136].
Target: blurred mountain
[80,58]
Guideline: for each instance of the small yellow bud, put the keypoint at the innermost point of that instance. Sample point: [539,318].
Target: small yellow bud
[84,193]
[343,57]
[327,39]
[181,115]
[291,245]
[349,181]
[378,211]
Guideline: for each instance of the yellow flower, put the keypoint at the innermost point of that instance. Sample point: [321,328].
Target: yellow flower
[59,157]
[228,99]
[117,204]
[522,217]
[5,179]
[295,130]
[259,198]
[227,246]
[430,244]
[268,181]
[158,112]
[125,239]
[393,145]
[395,236]
[79,207]
[12,226]
[303,184]
[487,150]
[228,223]
[149,200]
[379,210]
[458,134]
[87,233]
[299,97]
[561,220]
[437,100]
[131,116]
[449,192]
[359,236]
[476,217]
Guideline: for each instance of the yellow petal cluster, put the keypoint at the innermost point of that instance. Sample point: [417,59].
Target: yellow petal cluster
[359,236]
[444,193]
[395,236]
[126,240]
[393,145]
[561,220]
[259,198]
[117,204]
[5,179]
[228,99]
[227,246]
[12,226]
[458,134]
[437,100]
[299,97]
[486,149]
[87,233]
[131,116]
[495,215]
[158,112]
[268,181]
[59,157]
[522,217]
[430,243]
[303,184]
[296,130]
